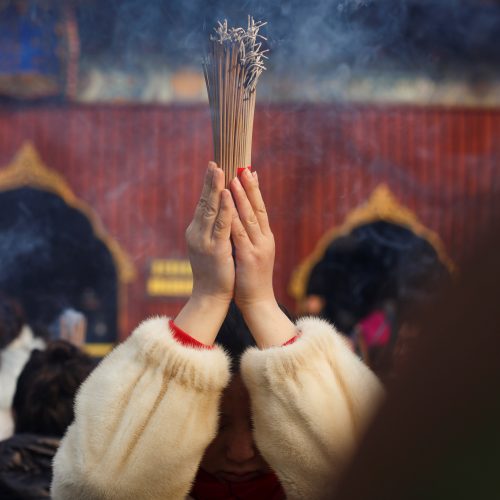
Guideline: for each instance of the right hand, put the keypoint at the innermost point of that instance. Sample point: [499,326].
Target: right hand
[208,240]
[210,254]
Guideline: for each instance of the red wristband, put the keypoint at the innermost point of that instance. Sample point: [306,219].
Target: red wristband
[184,338]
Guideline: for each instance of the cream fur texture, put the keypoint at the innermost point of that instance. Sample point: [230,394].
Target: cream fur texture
[146,415]
[311,402]
[143,420]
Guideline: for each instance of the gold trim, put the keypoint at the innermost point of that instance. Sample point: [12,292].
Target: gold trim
[382,205]
[98,350]
[27,169]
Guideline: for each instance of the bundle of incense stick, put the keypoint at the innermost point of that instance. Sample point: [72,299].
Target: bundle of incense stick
[232,66]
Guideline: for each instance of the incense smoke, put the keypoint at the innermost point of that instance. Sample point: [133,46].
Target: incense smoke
[317,36]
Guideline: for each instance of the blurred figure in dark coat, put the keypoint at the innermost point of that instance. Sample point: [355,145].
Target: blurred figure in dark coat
[438,436]
[43,409]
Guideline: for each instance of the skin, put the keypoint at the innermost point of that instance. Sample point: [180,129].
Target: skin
[232,456]
[217,221]
[224,218]
[313,304]
[74,332]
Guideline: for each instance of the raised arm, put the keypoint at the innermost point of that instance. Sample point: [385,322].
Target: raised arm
[146,414]
[210,254]
[311,400]
[254,243]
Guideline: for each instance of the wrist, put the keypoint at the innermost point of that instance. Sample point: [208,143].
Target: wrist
[207,301]
[202,316]
[207,295]
[265,302]
[269,325]
[255,307]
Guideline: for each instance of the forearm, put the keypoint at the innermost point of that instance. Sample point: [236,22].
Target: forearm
[311,402]
[201,317]
[268,324]
[143,420]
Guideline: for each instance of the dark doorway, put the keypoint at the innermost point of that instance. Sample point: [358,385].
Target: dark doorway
[373,264]
[50,259]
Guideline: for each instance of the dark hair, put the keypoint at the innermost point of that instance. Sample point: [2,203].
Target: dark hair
[11,320]
[234,335]
[46,388]
[376,262]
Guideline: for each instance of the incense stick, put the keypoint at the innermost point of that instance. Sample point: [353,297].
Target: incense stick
[232,66]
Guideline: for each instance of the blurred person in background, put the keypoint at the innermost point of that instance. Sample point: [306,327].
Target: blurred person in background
[70,325]
[374,337]
[16,343]
[437,434]
[42,410]
[314,301]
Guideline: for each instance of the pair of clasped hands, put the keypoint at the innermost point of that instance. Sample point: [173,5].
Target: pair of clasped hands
[222,216]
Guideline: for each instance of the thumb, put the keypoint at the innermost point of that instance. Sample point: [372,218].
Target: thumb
[222,225]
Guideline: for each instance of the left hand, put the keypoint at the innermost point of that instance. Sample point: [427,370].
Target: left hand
[254,244]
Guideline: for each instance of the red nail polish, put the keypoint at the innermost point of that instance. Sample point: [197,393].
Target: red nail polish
[242,169]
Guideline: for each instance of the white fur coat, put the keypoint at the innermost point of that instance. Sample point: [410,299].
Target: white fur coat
[146,414]
[12,361]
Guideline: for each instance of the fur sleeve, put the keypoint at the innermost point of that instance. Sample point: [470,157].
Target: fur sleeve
[142,420]
[311,401]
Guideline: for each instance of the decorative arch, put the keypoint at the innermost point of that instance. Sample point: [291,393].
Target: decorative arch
[28,170]
[381,206]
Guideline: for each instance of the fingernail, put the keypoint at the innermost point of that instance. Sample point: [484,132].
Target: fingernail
[254,173]
[240,171]
[247,173]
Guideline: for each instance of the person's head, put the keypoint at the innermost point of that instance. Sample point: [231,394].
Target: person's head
[46,388]
[70,325]
[233,456]
[11,320]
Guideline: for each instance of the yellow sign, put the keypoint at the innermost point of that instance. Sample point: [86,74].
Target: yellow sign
[170,278]
[98,350]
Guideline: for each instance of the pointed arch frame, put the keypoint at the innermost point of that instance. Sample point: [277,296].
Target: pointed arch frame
[28,170]
[381,206]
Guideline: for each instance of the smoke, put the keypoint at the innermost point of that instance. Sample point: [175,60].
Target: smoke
[20,239]
[319,36]
[18,244]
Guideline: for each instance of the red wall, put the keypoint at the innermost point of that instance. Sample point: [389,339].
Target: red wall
[141,168]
